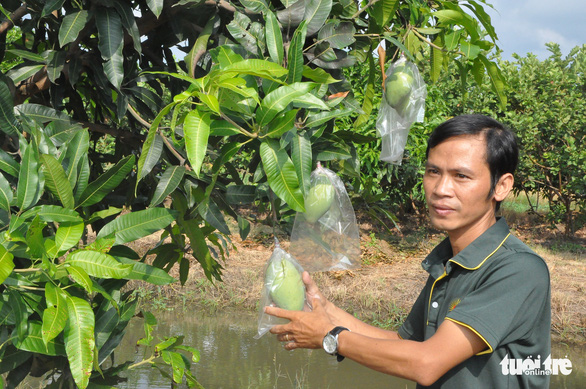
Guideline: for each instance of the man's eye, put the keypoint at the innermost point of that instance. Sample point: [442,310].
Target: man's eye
[462,176]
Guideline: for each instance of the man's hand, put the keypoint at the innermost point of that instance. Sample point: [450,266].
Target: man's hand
[305,329]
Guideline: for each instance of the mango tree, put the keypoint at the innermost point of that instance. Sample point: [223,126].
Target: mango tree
[128,117]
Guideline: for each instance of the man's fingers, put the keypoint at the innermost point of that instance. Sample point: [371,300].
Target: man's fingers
[279,312]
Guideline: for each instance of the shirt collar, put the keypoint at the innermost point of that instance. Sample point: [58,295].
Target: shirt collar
[472,257]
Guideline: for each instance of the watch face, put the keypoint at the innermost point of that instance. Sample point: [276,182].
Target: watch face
[330,344]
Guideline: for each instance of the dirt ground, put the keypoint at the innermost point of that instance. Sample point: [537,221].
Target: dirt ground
[383,289]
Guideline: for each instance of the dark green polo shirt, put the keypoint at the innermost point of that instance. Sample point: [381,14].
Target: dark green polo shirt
[500,289]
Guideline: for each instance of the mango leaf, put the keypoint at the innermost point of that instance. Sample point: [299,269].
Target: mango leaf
[199,47]
[23,72]
[34,343]
[24,54]
[334,152]
[6,263]
[99,188]
[6,194]
[67,236]
[135,225]
[437,59]
[316,14]
[56,180]
[79,339]
[156,6]
[339,35]
[256,5]
[34,238]
[239,28]
[129,23]
[149,157]
[301,156]
[28,190]
[483,17]
[243,227]
[367,103]
[110,33]
[71,25]
[81,277]
[197,131]
[55,63]
[458,17]
[98,264]
[77,147]
[256,68]
[8,164]
[383,11]
[281,174]
[223,128]
[169,181]
[177,363]
[51,5]
[55,315]
[212,214]
[53,213]
[20,312]
[8,122]
[276,102]
[238,85]
[114,68]
[280,125]
[320,118]
[148,273]
[295,56]
[42,114]
[496,80]
[201,251]
[318,75]
[274,38]
[293,13]
[470,50]
[240,194]
[107,318]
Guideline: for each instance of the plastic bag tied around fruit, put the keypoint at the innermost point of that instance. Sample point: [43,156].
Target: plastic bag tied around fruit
[325,237]
[403,104]
[283,287]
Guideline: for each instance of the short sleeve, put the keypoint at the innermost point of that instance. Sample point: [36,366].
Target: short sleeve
[413,327]
[508,303]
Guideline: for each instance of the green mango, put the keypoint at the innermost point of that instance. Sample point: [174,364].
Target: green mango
[398,88]
[287,290]
[318,200]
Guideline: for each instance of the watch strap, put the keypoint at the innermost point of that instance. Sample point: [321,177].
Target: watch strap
[335,332]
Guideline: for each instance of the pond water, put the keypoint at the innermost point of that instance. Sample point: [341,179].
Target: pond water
[232,359]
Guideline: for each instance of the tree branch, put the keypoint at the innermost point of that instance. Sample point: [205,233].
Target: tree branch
[15,16]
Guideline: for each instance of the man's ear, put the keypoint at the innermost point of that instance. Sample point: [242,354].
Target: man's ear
[504,186]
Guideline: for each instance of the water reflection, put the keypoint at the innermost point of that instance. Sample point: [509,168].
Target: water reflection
[232,359]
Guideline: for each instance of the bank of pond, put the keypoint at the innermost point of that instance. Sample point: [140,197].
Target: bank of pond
[231,358]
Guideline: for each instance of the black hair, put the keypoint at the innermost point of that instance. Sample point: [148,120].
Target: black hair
[502,151]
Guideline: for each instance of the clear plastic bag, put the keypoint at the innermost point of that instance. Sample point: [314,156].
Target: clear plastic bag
[282,287]
[326,237]
[403,103]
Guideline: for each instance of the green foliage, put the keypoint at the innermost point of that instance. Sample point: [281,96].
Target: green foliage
[547,98]
[60,295]
[243,117]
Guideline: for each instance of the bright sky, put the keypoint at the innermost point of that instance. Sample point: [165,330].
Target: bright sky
[525,26]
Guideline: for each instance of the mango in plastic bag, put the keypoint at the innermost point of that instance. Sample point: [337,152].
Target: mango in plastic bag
[398,88]
[287,290]
[318,200]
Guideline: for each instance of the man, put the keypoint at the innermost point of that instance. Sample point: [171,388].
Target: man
[487,298]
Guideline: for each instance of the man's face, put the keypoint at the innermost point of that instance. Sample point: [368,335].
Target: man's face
[457,184]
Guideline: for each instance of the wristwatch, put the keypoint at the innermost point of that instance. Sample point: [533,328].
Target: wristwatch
[330,342]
